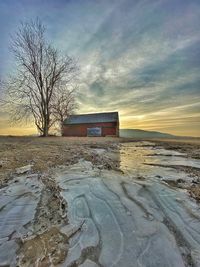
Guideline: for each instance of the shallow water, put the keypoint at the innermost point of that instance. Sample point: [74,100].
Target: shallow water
[131,219]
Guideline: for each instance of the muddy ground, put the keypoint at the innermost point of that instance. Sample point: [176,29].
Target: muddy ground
[28,166]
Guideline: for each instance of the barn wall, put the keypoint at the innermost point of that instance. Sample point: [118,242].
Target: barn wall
[108,128]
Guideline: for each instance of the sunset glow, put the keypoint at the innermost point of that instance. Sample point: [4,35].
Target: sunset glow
[141,58]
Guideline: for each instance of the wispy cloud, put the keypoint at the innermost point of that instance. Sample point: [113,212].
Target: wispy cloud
[140,57]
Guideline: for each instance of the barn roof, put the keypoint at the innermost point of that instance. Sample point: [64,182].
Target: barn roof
[92,118]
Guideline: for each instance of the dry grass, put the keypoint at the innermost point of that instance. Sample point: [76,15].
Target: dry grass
[45,249]
[45,153]
[195,192]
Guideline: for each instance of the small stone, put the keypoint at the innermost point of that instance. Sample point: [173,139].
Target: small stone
[24,169]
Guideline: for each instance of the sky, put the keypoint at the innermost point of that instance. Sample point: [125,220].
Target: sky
[138,57]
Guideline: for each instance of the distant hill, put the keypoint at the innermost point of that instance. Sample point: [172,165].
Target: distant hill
[136,133]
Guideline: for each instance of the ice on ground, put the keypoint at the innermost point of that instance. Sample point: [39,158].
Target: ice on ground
[99,151]
[126,220]
[18,202]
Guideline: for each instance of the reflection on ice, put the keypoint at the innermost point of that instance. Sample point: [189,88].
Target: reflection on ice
[144,161]
[134,157]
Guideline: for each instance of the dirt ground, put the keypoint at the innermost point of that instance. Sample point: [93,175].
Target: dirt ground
[46,153]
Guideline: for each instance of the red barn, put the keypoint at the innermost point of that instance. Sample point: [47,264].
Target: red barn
[96,124]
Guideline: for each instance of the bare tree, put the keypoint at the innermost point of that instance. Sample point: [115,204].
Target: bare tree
[64,103]
[39,72]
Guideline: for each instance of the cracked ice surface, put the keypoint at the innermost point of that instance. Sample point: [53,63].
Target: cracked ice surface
[18,202]
[130,222]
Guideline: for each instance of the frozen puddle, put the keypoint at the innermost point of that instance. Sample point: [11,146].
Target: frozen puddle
[18,202]
[128,221]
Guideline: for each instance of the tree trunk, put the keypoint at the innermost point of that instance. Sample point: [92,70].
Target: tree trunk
[46,126]
[46,131]
[61,127]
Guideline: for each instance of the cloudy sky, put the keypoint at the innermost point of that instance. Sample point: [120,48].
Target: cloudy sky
[138,57]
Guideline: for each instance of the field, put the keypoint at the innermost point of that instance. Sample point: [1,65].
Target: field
[46,153]
[68,201]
